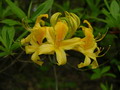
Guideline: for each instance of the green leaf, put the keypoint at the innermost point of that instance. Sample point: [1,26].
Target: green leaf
[15,45]
[7,35]
[10,22]
[3,37]
[104,87]
[16,10]
[22,35]
[11,34]
[91,4]
[6,12]
[59,6]
[106,3]
[66,5]
[29,9]
[2,48]
[118,67]
[104,11]
[95,76]
[114,9]
[3,54]
[1,9]
[110,74]
[42,8]
[105,69]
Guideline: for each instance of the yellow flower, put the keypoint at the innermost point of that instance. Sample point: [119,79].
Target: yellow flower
[55,35]
[37,31]
[56,38]
[88,47]
[34,41]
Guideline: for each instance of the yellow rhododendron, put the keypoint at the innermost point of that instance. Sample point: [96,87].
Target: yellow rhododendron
[88,47]
[55,35]
[33,42]
[56,38]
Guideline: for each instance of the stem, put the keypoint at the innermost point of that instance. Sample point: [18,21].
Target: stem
[56,79]
[54,70]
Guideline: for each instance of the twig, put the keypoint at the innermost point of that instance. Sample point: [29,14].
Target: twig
[12,63]
[56,78]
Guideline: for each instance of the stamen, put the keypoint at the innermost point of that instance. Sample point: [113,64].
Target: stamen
[105,52]
[100,37]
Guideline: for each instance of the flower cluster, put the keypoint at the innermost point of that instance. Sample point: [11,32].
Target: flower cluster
[58,38]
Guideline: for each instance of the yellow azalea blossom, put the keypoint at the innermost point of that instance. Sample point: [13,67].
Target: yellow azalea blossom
[55,35]
[88,47]
[33,42]
[37,31]
[56,38]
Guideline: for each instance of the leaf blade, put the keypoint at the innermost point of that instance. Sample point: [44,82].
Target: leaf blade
[10,22]
[114,9]
[16,10]
[43,8]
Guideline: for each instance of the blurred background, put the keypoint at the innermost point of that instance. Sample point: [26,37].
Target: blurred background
[18,72]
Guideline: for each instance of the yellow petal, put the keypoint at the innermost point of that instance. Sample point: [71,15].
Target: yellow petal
[94,64]
[30,49]
[70,43]
[61,30]
[54,18]
[73,23]
[76,18]
[26,40]
[61,56]
[36,58]
[89,25]
[50,35]
[40,34]
[89,41]
[39,18]
[87,62]
[39,22]
[45,49]
[92,55]
[33,41]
